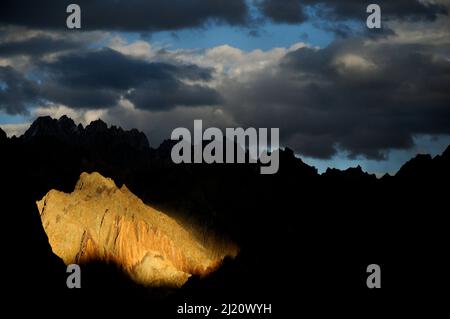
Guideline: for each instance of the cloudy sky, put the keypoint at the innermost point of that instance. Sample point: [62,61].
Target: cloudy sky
[341,94]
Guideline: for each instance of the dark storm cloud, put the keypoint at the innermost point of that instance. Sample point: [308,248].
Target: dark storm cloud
[80,97]
[295,11]
[287,11]
[164,94]
[107,68]
[37,46]
[124,15]
[398,9]
[98,79]
[158,15]
[16,92]
[364,99]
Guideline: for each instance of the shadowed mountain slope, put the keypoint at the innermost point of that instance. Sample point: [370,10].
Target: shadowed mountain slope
[297,230]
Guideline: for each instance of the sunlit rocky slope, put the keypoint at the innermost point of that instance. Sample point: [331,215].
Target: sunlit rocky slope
[100,222]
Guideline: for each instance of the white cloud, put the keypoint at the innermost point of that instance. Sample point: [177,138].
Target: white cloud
[15,129]
[353,62]
[231,62]
[138,49]
[227,61]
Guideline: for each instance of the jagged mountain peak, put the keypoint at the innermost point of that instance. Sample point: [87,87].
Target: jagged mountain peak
[96,134]
[46,126]
[97,126]
[66,121]
[98,222]
[416,166]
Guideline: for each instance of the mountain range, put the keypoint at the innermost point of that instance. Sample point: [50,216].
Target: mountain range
[296,230]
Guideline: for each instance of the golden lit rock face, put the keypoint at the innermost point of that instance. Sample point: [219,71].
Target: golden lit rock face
[100,222]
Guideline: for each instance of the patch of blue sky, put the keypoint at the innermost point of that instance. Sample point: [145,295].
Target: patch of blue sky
[425,144]
[267,37]
[13,118]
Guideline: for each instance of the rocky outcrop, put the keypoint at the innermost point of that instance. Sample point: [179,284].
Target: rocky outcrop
[100,222]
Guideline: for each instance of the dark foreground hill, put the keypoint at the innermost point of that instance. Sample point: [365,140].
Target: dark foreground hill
[305,239]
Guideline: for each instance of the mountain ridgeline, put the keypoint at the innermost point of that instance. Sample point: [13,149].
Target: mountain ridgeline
[296,230]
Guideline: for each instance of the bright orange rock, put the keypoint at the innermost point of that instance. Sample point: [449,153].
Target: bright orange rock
[100,222]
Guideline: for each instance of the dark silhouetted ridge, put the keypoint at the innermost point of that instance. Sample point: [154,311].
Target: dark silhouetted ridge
[3,136]
[96,134]
[352,174]
[418,167]
[47,127]
[290,164]
[446,153]
[300,233]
